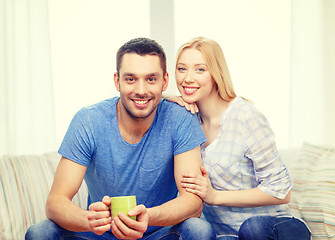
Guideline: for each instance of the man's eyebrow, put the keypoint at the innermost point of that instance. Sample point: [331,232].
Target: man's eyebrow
[126,74]
[154,74]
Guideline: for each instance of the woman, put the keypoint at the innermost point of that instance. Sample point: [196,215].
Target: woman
[244,184]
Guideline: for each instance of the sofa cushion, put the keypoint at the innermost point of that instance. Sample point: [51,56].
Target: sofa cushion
[312,169]
[25,182]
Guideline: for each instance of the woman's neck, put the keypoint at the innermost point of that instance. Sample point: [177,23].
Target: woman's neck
[211,108]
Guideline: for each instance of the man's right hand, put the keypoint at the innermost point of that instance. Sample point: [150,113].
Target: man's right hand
[99,217]
[124,227]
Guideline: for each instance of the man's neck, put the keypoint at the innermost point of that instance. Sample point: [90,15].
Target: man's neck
[132,129]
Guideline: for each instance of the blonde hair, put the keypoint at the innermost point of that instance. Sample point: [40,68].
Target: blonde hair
[216,62]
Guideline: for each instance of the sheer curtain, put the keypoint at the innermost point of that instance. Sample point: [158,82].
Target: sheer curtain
[27,112]
[312,114]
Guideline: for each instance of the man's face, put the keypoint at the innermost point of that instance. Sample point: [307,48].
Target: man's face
[140,83]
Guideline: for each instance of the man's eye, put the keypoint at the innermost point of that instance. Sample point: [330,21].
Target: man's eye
[152,79]
[130,79]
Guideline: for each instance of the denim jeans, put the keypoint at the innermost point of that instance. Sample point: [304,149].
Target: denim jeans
[271,228]
[190,229]
[278,228]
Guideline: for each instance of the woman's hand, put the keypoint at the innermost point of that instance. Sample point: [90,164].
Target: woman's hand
[200,185]
[192,107]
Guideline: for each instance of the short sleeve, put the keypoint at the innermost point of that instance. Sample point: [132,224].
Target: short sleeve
[78,143]
[270,171]
[188,132]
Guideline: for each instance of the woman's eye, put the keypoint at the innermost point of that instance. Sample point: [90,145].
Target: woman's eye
[200,70]
[181,69]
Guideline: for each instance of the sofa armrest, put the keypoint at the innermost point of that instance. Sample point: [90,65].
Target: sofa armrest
[25,182]
[312,169]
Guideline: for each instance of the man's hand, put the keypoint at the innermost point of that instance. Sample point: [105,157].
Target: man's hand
[124,227]
[99,217]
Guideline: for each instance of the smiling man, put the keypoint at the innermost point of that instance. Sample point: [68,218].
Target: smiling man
[140,82]
[135,144]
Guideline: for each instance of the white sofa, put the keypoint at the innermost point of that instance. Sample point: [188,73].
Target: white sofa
[312,169]
[25,182]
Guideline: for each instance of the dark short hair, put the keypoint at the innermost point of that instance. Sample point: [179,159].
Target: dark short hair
[141,46]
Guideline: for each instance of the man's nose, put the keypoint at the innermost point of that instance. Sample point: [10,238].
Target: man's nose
[141,87]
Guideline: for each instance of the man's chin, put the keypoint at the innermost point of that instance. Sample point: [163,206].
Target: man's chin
[140,114]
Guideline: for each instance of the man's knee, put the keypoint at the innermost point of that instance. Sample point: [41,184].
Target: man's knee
[44,230]
[196,228]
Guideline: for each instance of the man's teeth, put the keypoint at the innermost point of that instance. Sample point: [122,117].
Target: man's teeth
[141,102]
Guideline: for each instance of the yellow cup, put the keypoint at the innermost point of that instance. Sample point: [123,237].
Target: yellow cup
[123,204]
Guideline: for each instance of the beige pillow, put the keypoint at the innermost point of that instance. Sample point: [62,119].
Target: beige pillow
[313,193]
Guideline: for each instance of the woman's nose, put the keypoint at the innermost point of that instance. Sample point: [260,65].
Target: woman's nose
[189,78]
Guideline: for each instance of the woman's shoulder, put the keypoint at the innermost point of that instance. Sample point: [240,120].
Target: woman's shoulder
[243,109]
[251,115]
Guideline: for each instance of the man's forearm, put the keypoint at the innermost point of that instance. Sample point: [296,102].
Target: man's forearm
[66,214]
[175,211]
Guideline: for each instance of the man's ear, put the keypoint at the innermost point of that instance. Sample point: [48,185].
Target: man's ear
[166,81]
[117,81]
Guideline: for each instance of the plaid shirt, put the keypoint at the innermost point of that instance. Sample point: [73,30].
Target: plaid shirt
[244,156]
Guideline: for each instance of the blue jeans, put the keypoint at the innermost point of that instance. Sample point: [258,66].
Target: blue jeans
[271,228]
[190,229]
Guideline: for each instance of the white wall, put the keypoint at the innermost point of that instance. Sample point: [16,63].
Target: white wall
[280,53]
[312,112]
[329,50]
[255,38]
[85,35]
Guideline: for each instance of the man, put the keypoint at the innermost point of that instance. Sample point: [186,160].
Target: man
[132,145]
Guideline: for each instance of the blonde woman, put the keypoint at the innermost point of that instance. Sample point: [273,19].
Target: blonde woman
[244,184]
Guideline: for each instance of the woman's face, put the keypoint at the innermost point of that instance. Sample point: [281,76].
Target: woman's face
[194,81]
